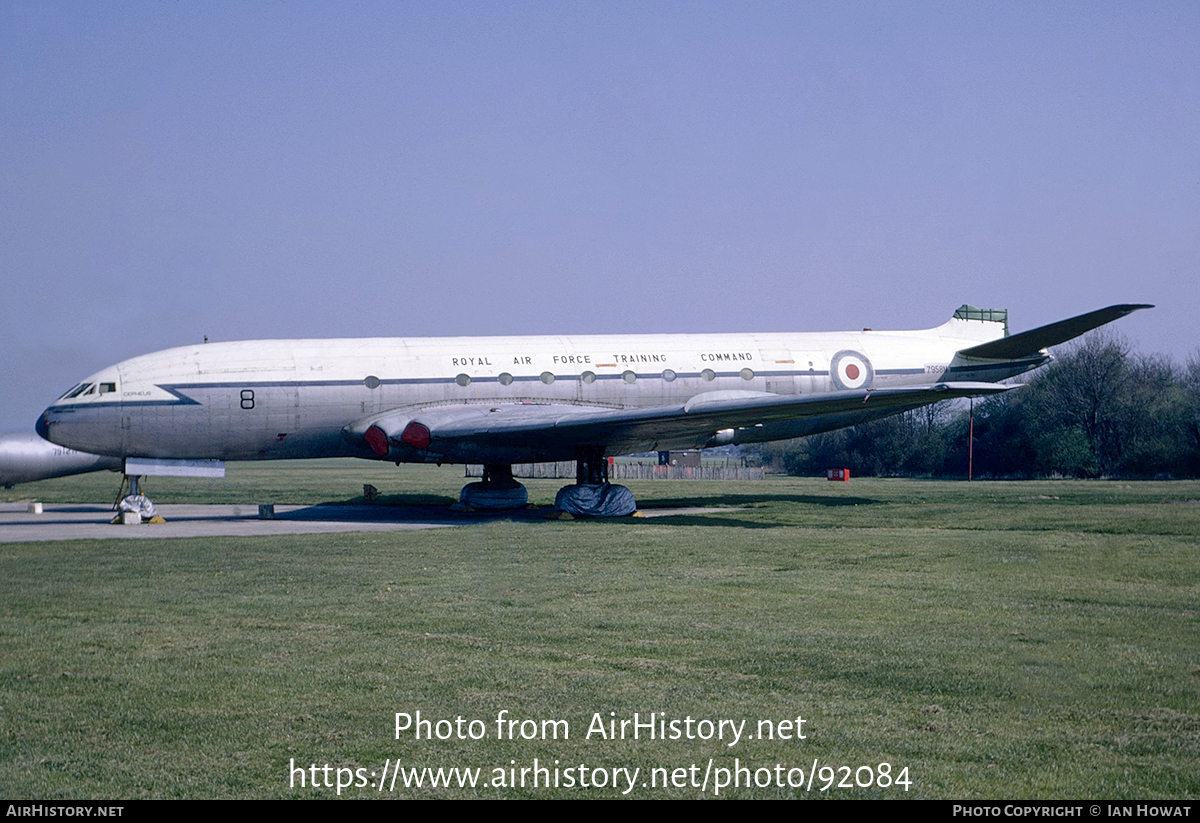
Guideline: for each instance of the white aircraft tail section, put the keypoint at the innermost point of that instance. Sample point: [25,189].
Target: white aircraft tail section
[975,325]
[1032,342]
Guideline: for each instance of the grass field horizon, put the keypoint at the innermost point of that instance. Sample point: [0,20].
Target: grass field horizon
[1033,639]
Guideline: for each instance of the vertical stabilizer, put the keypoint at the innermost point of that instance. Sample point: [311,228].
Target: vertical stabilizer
[971,324]
[969,312]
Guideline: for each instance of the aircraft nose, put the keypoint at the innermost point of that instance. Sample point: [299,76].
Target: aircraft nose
[43,425]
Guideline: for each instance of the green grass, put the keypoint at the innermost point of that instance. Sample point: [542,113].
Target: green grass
[1028,640]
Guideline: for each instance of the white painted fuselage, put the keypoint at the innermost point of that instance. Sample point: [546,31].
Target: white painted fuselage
[274,399]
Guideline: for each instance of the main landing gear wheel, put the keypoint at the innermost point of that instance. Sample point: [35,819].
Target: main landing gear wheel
[592,495]
[497,492]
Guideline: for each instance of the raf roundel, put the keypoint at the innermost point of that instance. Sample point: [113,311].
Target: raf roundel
[851,370]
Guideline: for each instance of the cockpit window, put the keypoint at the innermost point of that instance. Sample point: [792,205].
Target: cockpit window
[107,388]
[91,390]
[63,396]
[80,389]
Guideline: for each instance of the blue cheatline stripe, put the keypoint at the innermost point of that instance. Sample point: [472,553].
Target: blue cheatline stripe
[179,398]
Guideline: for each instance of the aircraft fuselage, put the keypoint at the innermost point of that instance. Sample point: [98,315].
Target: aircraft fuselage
[275,399]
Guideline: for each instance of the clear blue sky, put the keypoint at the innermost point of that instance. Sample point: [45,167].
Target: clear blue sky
[287,169]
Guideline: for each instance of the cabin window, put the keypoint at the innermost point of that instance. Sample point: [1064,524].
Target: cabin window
[547,377]
[505,379]
[371,381]
[747,374]
[668,375]
[463,380]
[708,374]
[629,377]
[588,377]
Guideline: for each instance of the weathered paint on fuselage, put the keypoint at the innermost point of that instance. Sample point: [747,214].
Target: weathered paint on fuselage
[275,399]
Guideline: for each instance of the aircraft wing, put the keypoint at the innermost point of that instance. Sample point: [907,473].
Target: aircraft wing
[1033,341]
[536,431]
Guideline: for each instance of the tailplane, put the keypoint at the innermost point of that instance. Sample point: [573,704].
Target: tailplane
[1028,343]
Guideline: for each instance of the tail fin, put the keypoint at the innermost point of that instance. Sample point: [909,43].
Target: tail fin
[972,326]
[969,312]
[1031,342]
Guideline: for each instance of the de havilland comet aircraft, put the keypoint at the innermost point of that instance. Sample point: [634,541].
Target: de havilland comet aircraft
[496,401]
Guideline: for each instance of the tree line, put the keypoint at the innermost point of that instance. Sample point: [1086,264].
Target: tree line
[1098,410]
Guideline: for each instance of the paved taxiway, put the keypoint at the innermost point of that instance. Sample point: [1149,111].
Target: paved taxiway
[91,521]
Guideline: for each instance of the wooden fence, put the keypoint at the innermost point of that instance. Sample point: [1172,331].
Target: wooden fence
[565,470]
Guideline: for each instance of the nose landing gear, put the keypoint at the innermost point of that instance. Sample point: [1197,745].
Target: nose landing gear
[135,507]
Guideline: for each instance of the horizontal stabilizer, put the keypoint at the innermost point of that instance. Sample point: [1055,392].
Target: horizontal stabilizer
[1031,342]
